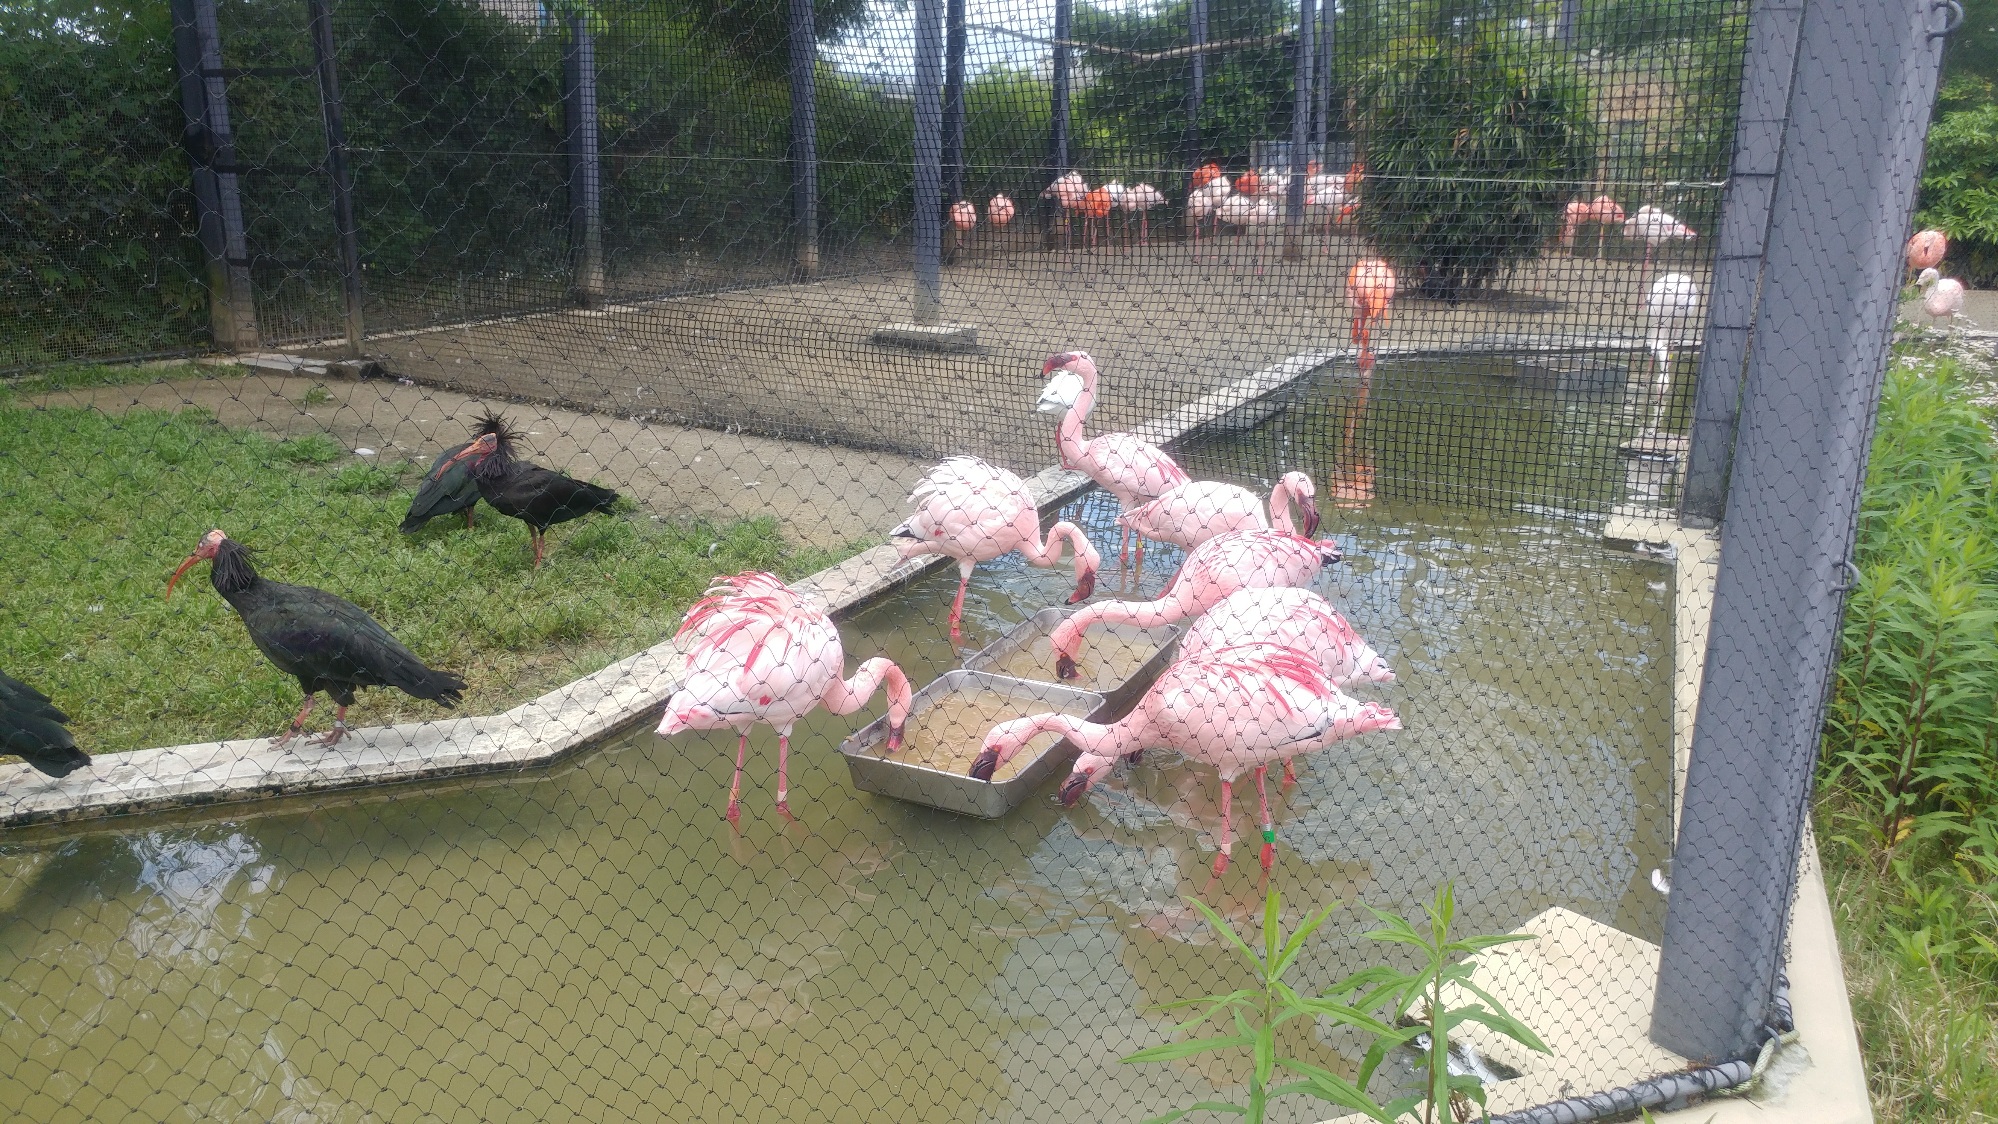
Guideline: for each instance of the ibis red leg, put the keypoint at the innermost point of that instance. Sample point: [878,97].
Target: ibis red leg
[297,724]
[339,730]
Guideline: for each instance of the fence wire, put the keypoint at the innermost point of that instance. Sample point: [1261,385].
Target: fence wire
[765,271]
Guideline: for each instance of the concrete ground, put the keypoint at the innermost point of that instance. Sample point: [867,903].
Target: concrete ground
[797,360]
[821,495]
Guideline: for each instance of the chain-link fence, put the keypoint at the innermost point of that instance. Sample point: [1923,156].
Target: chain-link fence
[1446,293]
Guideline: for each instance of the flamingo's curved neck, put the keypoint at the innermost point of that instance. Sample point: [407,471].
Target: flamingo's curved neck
[1069,438]
[1280,501]
[1067,636]
[848,695]
[1047,552]
[1090,737]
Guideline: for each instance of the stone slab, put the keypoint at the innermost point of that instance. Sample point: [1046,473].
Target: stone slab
[928,337]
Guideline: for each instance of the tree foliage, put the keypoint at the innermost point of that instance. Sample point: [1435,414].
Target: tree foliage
[1960,178]
[1472,144]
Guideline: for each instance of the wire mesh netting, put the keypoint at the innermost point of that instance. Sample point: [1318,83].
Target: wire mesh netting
[1394,305]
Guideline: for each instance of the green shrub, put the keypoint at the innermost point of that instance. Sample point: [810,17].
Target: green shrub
[1472,146]
[1960,179]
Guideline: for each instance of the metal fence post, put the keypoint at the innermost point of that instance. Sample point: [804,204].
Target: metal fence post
[804,61]
[1321,123]
[1766,71]
[325,59]
[1064,28]
[1850,162]
[929,161]
[1305,54]
[1564,26]
[953,101]
[211,148]
[586,198]
[1196,94]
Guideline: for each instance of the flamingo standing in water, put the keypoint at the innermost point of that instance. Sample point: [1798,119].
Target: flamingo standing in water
[1204,204]
[1198,510]
[1370,289]
[1236,709]
[762,653]
[1125,465]
[975,512]
[1213,570]
[1294,618]
[1926,250]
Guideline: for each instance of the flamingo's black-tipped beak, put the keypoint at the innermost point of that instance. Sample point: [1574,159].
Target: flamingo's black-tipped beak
[1329,551]
[1072,789]
[1311,519]
[1058,362]
[985,764]
[1065,667]
[894,738]
[1085,585]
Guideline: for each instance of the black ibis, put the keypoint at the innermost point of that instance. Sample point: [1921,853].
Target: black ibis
[30,725]
[539,497]
[328,642]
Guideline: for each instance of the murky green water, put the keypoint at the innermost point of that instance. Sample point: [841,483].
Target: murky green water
[595,942]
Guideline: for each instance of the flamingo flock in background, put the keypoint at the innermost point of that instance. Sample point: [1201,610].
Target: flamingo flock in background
[974,512]
[1235,709]
[763,653]
[1134,471]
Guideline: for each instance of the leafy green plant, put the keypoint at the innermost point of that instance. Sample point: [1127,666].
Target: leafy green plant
[1959,193]
[1473,142]
[1416,1003]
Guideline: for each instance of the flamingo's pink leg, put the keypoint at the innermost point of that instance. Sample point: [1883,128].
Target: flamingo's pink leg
[1144,228]
[735,788]
[1227,798]
[957,608]
[783,768]
[1289,774]
[1269,826]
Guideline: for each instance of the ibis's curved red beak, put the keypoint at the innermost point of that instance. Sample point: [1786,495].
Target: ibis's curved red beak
[191,560]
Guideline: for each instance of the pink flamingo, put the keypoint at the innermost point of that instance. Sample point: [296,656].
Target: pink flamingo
[763,653]
[1602,211]
[1942,296]
[975,512]
[999,211]
[963,214]
[1216,568]
[1325,194]
[1068,191]
[1234,708]
[1198,510]
[1141,198]
[1295,618]
[1125,465]
[1203,204]
[1926,250]
[1656,228]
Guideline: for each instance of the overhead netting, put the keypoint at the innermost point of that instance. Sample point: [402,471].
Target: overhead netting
[762,268]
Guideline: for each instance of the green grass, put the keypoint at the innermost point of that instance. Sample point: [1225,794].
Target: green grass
[83,376]
[1908,811]
[100,509]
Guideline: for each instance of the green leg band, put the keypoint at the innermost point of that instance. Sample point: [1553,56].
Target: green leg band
[1269,835]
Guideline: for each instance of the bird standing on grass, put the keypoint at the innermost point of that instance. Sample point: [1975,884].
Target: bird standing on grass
[448,487]
[327,642]
[762,653]
[32,727]
[1235,709]
[539,497]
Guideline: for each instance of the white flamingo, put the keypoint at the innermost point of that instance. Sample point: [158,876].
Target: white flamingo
[1671,310]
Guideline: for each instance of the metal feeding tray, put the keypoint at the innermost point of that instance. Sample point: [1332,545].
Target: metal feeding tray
[946,729]
[1117,661]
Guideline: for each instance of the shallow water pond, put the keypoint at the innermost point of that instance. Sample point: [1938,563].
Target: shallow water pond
[596,943]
